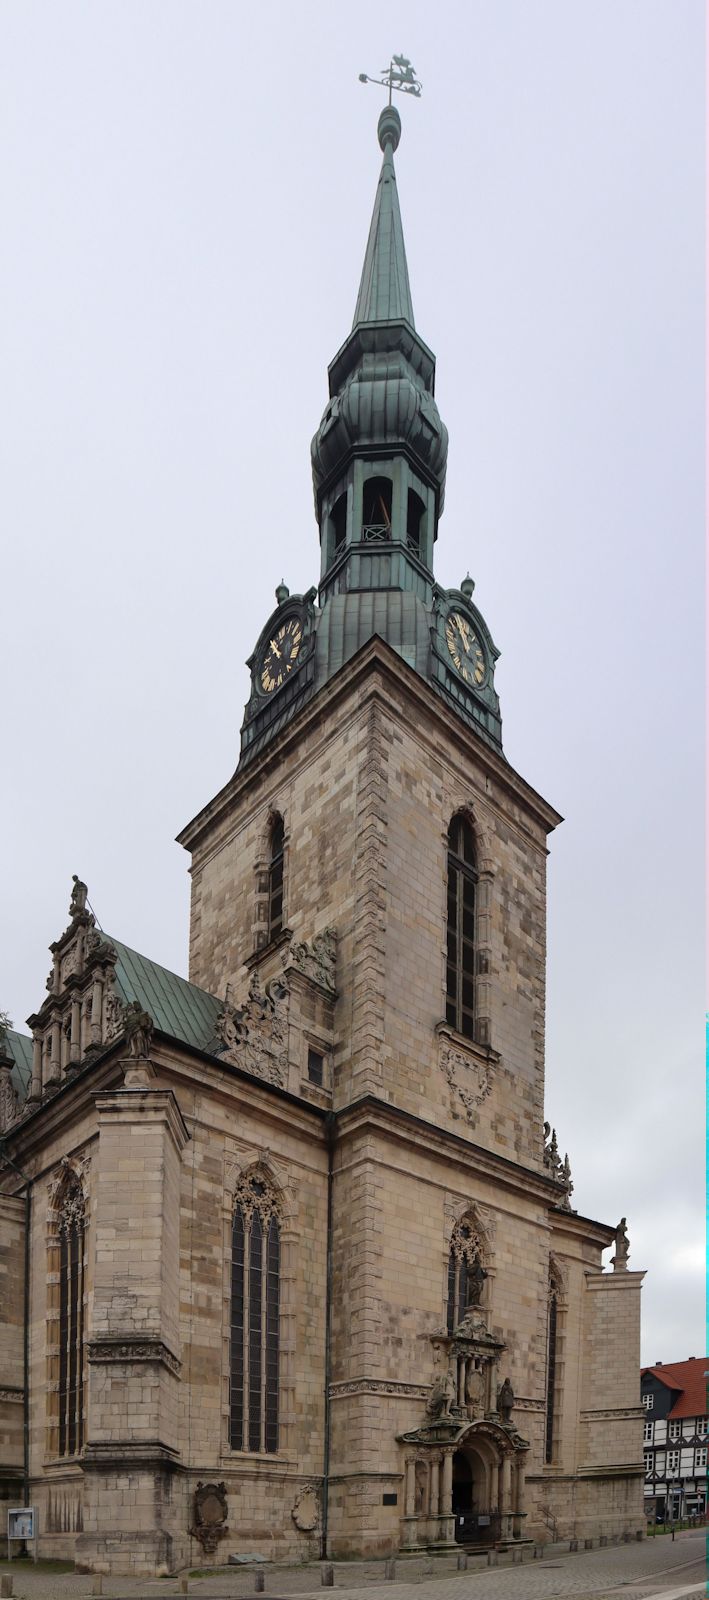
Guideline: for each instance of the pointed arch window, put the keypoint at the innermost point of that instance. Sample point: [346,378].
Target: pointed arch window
[553,1367]
[255,1312]
[275,877]
[69,1245]
[461,913]
[466,1272]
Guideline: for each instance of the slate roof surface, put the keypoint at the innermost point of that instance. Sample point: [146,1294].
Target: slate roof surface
[178,1008]
[688,1380]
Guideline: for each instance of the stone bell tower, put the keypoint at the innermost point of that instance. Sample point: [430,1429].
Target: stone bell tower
[373,808]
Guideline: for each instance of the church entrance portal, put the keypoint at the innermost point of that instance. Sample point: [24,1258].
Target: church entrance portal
[476,1521]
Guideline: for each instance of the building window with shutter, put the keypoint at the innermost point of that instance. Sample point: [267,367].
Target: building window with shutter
[255,1313]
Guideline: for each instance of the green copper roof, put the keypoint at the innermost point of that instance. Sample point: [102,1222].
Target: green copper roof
[178,1008]
[384,292]
[19,1046]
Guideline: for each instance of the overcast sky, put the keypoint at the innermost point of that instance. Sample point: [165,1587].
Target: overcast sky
[185,193]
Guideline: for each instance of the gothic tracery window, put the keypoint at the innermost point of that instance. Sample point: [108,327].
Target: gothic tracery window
[466,1272]
[255,1311]
[460,962]
[68,1248]
[552,1384]
[275,877]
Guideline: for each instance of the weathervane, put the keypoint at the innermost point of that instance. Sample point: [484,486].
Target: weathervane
[398,75]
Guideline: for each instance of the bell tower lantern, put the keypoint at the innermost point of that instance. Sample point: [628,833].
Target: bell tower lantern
[379,455]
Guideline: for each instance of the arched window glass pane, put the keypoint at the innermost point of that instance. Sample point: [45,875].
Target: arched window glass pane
[71,1320]
[461,914]
[255,1315]
[551,1376]
[275,879]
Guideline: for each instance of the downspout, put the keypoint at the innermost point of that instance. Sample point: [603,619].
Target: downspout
[26,1331]
[330,1136]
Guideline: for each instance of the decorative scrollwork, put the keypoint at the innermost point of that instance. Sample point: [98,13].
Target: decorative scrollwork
[255,1036]
[468,1076]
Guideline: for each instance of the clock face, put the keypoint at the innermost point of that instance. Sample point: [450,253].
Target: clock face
[281,654]
[465,649]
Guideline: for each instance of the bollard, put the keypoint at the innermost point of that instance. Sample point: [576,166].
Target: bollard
[573,1545]
[588,1544]
[639,1534]
[492,1558]
[6,1586]
[603,1541]
[184,1586]
[390,1567]
[259,1582]
[327,1576]
[97,1585]
[462,1561]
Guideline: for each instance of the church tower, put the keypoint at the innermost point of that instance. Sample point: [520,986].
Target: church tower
[296,1248]
[373,815]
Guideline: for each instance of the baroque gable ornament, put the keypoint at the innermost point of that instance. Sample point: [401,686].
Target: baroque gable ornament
[255,1036]
[209,1515]
[315,959]
[468,1077]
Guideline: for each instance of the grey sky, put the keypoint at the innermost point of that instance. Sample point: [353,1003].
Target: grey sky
[185,195]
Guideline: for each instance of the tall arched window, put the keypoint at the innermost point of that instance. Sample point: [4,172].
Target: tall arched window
[466,1272]
[552,1366]
[69,1242]
[460,965]
[376,509]
[275,878]
[255,1309]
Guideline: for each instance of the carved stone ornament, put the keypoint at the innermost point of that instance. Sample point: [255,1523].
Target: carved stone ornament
[306,1509]
[108,1351]
[76,1166]
[9,1101]
[209,1515]
[469,1077]
[317,960]
[255,1036]
[79,893]
[622,1245]
[115,1015]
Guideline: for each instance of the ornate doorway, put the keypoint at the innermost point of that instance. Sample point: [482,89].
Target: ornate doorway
[476,1519]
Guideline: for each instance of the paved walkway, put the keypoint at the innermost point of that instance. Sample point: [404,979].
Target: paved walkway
[656,1569]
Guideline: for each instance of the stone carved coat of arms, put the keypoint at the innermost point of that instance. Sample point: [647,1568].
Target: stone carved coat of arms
[255,1036]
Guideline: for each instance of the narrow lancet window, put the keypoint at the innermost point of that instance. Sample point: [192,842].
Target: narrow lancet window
[552,1334]
[255,1314]
[460,965]
[275,878]
[71,1232]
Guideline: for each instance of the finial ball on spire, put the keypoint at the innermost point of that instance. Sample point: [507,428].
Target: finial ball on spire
[389,128]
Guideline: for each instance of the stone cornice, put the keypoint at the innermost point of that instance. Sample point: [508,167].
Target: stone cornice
[149,1105]
[375,658]
[408,1129]
[116,1348]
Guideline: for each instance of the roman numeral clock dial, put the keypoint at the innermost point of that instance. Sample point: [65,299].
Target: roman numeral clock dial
[281,655]
[465,649]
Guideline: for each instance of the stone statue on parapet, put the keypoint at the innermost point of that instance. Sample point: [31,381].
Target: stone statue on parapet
[138,1030]
[79,894]
[622,1247]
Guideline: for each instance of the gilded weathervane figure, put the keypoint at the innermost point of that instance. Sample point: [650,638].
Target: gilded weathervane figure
[398,75]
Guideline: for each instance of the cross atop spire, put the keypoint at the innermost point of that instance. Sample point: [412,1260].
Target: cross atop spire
[384,292]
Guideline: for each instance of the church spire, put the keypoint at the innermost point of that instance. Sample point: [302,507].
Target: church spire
[385,292]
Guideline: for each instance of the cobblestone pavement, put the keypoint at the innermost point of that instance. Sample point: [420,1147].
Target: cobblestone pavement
[656,1569]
